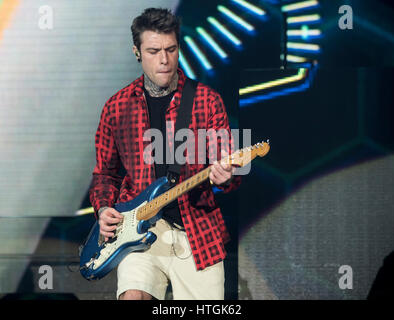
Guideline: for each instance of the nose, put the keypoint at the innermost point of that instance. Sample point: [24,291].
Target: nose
[163,57]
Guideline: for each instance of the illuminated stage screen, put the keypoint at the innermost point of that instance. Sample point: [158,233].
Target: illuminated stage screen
[317,208]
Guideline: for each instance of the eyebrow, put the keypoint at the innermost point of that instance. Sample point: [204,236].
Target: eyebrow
[158,49]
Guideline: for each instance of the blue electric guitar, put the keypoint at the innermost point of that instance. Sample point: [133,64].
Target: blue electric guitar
[98,257]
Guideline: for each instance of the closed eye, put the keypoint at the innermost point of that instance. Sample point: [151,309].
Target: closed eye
[171,49]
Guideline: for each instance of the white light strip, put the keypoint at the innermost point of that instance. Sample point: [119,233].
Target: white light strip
[250,7]
[235,18]
[299,5]
[303,46]
[306,18]
[198,53]
[304,33]
[186,66]
[296,59]
[214,45]
[224,31]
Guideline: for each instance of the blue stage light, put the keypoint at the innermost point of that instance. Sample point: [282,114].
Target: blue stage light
[223,30]
[198,53]
[237,19]
[212,43]
[186,66]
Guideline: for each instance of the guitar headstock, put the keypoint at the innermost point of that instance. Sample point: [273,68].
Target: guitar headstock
[243,156]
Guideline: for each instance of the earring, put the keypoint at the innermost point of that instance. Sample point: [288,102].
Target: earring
[137,54]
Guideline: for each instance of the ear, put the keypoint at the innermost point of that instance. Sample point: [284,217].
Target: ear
[135,50]
[137,53]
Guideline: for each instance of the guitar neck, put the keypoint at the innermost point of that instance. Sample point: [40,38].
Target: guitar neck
[151,208]
[239,158]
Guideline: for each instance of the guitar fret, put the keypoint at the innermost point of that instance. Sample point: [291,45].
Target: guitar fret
[172,194]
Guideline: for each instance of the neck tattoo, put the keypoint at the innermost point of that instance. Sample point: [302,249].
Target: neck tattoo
[156,91]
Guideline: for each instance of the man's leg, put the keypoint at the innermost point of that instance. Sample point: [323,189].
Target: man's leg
[188,283]
[141,275]
[135,295]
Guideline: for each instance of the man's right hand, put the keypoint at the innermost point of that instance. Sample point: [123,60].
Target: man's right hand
[108,221]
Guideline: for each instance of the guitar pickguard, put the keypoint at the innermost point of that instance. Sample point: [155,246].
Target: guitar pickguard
[126,233]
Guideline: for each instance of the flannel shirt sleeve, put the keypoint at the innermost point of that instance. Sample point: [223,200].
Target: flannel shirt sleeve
[104,189]
[218,120]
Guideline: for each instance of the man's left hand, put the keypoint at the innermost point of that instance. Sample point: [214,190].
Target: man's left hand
[221,174]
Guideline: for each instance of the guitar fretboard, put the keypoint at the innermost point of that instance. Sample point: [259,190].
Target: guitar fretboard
[150,209]
[239,158]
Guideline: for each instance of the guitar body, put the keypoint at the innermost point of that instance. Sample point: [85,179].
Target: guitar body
[98,259]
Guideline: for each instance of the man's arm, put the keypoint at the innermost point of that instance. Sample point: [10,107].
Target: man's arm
[104,189]
[222,175]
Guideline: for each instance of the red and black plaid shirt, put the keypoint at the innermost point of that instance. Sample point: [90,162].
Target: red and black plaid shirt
[119,139]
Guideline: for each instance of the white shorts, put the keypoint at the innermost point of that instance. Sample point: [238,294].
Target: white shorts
[170,259]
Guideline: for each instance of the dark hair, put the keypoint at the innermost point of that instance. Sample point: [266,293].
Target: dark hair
[157,20]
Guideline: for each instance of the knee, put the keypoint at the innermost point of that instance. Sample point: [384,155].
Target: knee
[135,295]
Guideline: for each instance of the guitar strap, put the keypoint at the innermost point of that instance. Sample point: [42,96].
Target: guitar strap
[182,122]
